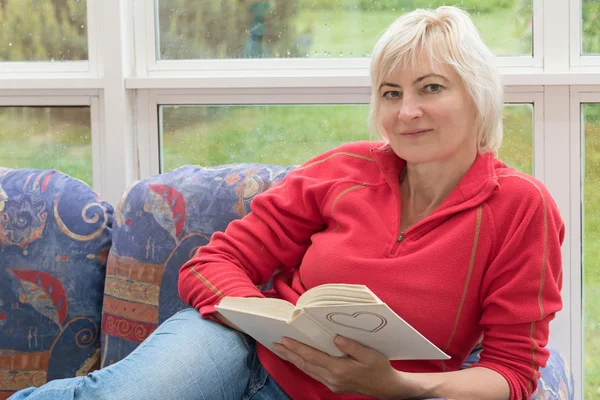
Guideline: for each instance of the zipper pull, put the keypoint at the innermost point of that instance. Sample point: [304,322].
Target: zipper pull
[400,237]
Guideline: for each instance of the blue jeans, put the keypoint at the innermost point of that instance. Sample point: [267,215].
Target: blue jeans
[187,357]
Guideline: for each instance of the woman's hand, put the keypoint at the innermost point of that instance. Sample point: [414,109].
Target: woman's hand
[365,371]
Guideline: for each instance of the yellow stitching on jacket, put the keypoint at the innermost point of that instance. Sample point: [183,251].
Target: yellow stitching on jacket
[545,252]
[543,273]
[339,196]
[469,273]
[206,282]
[341,153]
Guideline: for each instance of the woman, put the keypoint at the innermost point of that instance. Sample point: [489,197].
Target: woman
[453,240]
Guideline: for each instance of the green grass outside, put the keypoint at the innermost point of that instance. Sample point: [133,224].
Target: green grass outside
[591,256]
[358,31]
[39,140]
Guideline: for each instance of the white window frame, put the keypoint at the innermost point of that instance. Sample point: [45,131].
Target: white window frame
[579,62]
[124,84]
[63,69]
[579,95]
[67,98]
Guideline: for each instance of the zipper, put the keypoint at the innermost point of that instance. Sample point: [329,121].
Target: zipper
[398,241]
[400,237]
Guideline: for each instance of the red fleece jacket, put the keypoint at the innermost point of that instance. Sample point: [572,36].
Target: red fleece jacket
[486,261]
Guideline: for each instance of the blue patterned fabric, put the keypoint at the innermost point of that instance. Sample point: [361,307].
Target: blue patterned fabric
[55,236]
[159,224]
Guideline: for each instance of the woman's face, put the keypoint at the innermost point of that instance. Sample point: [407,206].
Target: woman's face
[427,114]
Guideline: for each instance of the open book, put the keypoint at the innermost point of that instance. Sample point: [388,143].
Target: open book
[325,311]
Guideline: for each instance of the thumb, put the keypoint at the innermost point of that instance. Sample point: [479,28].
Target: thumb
[360,353]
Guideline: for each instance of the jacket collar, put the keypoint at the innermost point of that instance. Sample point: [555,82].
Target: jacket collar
[478,184]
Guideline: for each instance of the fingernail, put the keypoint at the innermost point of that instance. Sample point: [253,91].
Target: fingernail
[340,340]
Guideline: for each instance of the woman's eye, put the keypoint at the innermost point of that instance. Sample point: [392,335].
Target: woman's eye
[392,94]
[433,88]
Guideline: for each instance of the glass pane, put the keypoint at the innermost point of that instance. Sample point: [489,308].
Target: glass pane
[189,29]
[47,138]
[591,251]
[273,134]
[292,134]
[590,25]
[517,147]
[43,30]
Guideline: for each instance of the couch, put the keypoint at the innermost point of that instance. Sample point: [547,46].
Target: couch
[83,283]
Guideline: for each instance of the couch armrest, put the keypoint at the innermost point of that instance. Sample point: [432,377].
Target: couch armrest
[556,380]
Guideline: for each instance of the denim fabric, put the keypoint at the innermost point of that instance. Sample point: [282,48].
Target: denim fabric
[187,357]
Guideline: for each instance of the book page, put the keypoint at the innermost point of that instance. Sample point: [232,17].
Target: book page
[337,294]
[276,308]
[265,330]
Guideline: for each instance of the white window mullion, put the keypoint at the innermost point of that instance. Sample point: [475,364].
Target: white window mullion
[93,6]
[556,35]
[97,127]
[150,38]
[575,236]
[558,181]
[538,33]
[146,134]
[143,31]
[119,169]
[575,32]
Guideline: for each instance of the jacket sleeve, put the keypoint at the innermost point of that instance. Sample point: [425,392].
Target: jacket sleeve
[520,293]
[274,236]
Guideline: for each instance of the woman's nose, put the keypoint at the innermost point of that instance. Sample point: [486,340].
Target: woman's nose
[410,108]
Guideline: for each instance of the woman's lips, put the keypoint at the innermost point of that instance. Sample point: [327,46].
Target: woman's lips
[415,132]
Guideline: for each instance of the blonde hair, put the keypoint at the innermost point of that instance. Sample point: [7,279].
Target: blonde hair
[445,35]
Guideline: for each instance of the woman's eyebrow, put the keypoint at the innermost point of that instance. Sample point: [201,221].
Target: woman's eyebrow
[416,80]
[429,76]
[389,84]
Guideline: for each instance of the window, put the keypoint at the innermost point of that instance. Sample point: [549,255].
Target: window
[591,249]
[590,27]
[43,30]
[272,134]
[115,91]
[47,138]
[317,29]
[517,147]
[292,134]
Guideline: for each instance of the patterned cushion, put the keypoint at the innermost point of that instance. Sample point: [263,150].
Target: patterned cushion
[160,222]
[54,243]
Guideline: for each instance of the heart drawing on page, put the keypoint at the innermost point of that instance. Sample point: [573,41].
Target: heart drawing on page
[363,321]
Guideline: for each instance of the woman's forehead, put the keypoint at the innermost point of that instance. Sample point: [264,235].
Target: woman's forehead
[420,67]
